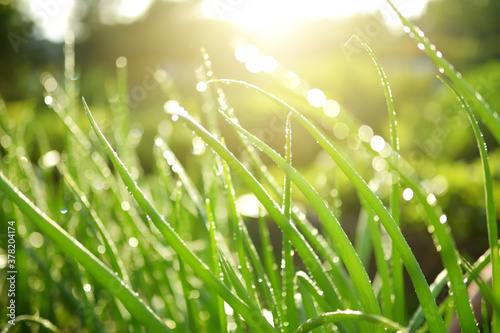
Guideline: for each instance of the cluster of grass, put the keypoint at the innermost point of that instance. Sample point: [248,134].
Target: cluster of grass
[166,253]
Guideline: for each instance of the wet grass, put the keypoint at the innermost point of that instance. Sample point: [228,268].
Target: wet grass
[103,246]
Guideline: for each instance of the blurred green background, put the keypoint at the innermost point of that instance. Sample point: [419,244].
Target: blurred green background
[164,45]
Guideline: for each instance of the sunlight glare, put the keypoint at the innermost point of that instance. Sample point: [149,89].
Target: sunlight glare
[278,16]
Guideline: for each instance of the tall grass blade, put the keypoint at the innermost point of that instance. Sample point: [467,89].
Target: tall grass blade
[305,251]
[479,105]
[287,266]
[345,247]
[398,288]
[252,316]
[491,217]
[446,247]
[421,287]
[215,264]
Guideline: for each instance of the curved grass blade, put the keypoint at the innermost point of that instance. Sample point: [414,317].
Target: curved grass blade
[308,304]
[337,316]
[491,218]
[316,240]
[440,282]
[447,249]
[483,110]
[397,309]
[346,250]
[45,323]
[421,287]
[91,263]
[305,251]
[252,316]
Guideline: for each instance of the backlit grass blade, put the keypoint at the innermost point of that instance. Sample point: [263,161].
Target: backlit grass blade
[491,218]
[215,264]
[421,287]
[315,239]
[238,234]
[476,101]
[345,247]
[447,250]
[398,308]
[305,251]
[381,262]
[188,184]
[253,318]
[338,316]
[191,313]
[440,282]
[270,265]
[362,240]
[93,265]
[287,266]
[247,249]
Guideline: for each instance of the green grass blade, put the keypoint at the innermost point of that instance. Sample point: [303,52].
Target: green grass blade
[305,251]
[345,247]
[288,270]
[398,307]
[491,218]
[308,304]
[338,316]
[45,323]
[421,287]
[253,318]
[215,263]
[479,105]
[381,263]
[447,249]
[92,264]
[316,240]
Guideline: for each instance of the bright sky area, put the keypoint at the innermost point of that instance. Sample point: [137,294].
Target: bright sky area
[53,16]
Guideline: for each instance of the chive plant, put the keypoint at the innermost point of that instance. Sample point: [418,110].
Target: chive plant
[174,254]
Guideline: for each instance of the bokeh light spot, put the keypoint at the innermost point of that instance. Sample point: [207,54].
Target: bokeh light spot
[316,97]
[377,143]
[36,239]
[408,194]
[331,108]
[341,130]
